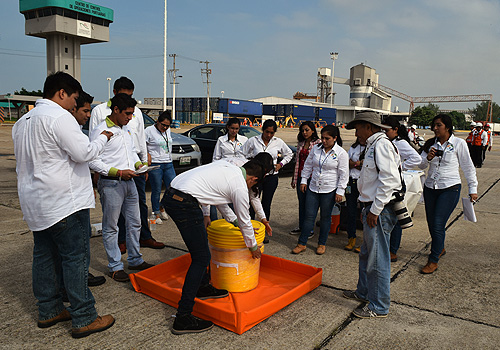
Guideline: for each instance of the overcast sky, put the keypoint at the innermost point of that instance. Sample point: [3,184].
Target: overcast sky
[274,48]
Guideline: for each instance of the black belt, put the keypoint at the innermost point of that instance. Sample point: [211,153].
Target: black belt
[181,195]
[353,180]
[105,177]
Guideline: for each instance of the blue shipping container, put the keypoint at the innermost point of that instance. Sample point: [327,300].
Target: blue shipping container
[269,109]
[240,107]
[303,111]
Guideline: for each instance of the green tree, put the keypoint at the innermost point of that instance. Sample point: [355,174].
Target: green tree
[422,116]
[480,112]
[458,120]
[25,92]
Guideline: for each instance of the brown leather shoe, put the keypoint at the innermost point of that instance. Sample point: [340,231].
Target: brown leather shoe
[100,324]
[119,276]
[299,249]
[63,316]
[141,267]
[321,249]
[429,268]
[394,257]
[443,252]
[151,243]
[123,247]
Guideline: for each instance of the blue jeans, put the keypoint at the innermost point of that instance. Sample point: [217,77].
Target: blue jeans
[188,218]
[439,204]
[396,234]
[314,201]
[120,197]
[352,208]
[62,251]
[375,261]
[140,183]
[302,202]
[165,174]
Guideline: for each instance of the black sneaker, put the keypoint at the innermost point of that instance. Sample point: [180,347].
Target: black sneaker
[311,235]
[210,292]
[266,240]
[295,231]
[351,294]
[366,312]
[141,267]
[119,276]
[184,324]
[95,281]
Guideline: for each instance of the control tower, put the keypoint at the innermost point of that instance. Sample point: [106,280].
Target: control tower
[66,24]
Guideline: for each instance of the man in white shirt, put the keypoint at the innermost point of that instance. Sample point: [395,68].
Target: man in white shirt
[378,181]
[136,125]
[117,165]
[55,193]
[489,140]
[216,183]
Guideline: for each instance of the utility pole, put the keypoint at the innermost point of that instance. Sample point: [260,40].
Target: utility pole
[207,72]
[333,56]
[174,75]
[165,59]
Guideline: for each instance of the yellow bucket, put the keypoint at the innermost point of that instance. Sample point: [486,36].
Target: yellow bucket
[232,266]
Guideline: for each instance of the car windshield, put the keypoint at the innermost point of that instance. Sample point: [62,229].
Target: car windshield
[248,132]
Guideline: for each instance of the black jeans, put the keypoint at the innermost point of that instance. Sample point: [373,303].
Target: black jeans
[188,217]
[269,185]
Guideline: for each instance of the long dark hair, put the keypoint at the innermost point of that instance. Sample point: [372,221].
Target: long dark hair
[269,123]
[311,125]
[333,131]
[448,123]
[393,122]
[266,162]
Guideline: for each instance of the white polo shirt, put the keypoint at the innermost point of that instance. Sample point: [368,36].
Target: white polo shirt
[328,171]
[219,183]
[53,177]
[159,144]
[444,171]
[410,159]
[136,125]
[225,148]
[255,145]
[118,154]
[354,155]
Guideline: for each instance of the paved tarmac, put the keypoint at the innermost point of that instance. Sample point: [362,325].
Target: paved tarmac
[455,308]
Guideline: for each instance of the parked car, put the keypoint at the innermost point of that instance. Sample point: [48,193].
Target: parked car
[206,136]
[185,152]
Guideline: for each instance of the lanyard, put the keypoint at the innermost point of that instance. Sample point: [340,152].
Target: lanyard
[165,138]
[326,158]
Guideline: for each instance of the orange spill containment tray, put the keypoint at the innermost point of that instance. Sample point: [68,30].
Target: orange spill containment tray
[281,282]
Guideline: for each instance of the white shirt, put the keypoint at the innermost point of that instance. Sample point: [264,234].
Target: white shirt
[410,159]
[328,171]
[224,148]
[118,154]
[136,125]
[159,144]
[443,171]
[255,145]
[53,177]
[219,183]
[374,185]
[484,138]
[354,154]
[412,135]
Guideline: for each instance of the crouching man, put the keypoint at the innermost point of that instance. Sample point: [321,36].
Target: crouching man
[117,164]
[218,183]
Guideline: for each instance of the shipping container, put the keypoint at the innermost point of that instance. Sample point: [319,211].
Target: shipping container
[269,109]
[326,114]
[240,107]
[295,111]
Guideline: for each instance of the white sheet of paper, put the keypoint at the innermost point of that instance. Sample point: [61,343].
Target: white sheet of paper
[469,214]
[146,169]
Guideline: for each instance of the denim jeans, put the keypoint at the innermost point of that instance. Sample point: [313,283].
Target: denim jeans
[375,261]
[62,251]
[120,197]
[314,201]
[396,234]
[302,202]
[439,204]
[165,174]
[352,208]
[188,218]
[140,183]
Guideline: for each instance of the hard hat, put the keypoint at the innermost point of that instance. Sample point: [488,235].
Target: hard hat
[478,124]
[487,125]
[413,126]
[472,123]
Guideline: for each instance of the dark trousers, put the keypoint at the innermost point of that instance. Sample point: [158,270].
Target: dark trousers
[477,155]
[140,183]
[352,208]
[269,185]
[188,217]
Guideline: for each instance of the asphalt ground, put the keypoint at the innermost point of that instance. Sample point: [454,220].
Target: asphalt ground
[455,308]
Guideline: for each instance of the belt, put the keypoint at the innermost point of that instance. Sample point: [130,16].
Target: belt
[180,196]
[117,178]
[353,180]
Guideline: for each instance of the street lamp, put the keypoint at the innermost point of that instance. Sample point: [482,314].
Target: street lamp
[8,102]
[333,56]
[109,88]
[222,93]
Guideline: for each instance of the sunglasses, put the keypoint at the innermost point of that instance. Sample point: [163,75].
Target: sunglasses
[165,125]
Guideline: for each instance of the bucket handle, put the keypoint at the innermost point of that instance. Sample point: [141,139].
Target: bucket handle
[219,264]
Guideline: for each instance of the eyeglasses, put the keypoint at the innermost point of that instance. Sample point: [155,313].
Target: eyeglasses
[165,125]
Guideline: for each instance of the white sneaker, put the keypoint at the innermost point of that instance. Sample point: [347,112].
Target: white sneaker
[158,221]
[163,215]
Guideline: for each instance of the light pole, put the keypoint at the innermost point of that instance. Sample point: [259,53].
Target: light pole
[8,102]
[109,88]
[222,93]
[333,56]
